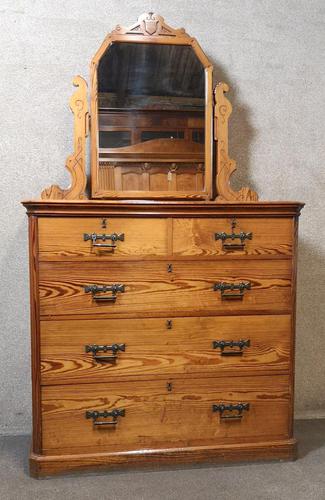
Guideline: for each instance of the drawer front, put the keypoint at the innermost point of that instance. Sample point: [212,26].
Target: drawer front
[83,351]
[64,238]
[160,289]
[163,414]
[199,237]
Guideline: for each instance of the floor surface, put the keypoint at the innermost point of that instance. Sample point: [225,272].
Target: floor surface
[303,479]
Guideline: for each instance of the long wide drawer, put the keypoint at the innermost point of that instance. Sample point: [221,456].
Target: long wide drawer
[158,289]
[83,351]
[164,414]
[91,238]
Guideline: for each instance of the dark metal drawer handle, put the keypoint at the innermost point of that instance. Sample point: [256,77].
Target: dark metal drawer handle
[94,348]
[237,408]
[114,414]
[95,289]
[223,287]
[222,344]
[233,236]
[114,237]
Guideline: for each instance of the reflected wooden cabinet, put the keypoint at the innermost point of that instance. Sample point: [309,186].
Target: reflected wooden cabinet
[151,151]
[162,300]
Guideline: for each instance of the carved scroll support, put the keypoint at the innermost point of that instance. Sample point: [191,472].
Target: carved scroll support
[225,165]
[75,163]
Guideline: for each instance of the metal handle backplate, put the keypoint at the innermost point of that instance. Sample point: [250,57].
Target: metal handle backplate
[225,288]
[96,289]
[223,344]
[94,237]
[94,348]
[242,236]
[230,411]
[233,236]
[114,414]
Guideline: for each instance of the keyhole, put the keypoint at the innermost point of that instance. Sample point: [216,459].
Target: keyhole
[169,324]
[169,268]
[104,223]
[169,386]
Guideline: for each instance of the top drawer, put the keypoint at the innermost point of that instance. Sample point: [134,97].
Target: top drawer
[87,238]
[126,238]
[203,237]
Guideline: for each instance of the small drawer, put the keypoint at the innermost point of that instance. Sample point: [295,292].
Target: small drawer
[86,238]
[83,351]
[258,237]
[167,413]
[157,288]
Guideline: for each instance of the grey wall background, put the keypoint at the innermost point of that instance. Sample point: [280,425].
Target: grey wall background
[271,52]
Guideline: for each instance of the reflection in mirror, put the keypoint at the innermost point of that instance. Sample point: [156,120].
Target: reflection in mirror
[151,108]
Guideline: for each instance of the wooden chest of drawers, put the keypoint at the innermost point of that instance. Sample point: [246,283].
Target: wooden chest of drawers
[158,335]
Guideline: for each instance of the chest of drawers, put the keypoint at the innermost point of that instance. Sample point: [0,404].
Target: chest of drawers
[161,333]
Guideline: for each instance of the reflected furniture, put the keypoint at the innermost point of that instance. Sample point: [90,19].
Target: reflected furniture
[162,300]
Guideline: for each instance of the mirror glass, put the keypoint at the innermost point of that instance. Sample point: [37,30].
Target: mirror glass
[151,118]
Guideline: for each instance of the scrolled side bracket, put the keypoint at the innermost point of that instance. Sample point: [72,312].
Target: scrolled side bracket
[225,165]
[75,163]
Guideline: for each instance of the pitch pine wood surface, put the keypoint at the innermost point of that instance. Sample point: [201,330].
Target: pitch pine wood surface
[159,347]
[151,290]
[62,238]
[156,418]
[169,375]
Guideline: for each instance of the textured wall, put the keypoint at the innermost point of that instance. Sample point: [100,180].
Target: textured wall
[272,55]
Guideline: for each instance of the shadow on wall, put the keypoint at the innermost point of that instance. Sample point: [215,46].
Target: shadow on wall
[241,131]
[15,388]
[310,338]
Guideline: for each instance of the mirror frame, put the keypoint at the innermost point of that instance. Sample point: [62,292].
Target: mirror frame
[151,28]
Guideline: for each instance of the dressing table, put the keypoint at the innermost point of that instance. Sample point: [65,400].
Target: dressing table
[162,300]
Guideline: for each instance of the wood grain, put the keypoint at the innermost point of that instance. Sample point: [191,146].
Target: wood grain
[156,418]
[150,290]
[159,208]
[225,166]
[63,238]
[48,465]
[154,349]
[35,334]
[76,162]
[195,237]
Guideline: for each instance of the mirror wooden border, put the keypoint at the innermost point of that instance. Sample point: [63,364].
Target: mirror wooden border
[151,28]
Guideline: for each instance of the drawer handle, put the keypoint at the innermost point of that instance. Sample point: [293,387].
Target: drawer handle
[114,237]
[222,344]
[95,289]
[94,348]
[233,236]
[233,246]
[223,287]
[95,415]
[229,409]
